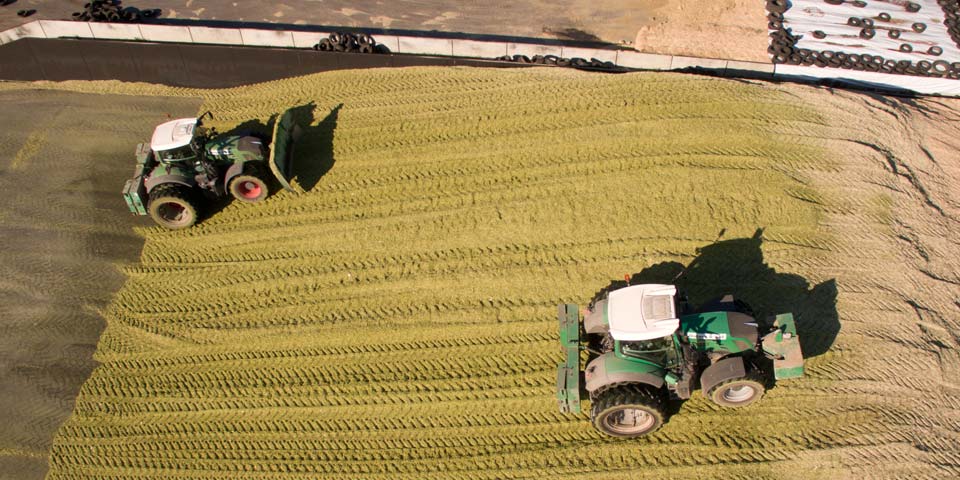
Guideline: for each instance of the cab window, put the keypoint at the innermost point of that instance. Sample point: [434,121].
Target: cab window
[176,154]
[657,350]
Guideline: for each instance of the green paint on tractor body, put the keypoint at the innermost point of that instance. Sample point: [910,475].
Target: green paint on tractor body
[711,332]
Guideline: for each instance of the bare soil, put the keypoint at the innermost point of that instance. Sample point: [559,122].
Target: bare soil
[64,230]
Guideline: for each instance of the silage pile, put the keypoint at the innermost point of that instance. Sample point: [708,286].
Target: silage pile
[397,318]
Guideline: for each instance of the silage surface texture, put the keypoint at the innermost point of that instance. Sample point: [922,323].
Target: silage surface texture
[396,317]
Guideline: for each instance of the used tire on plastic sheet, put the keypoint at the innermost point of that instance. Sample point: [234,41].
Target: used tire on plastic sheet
[935,51]
[912,7]
[919,27]
[866,22]
[795,59]
[924,66]
[941,67]
[859,3]
[774,25]
[906,48]
[867,33]
[884,16]
[777,6]
[893,33]
[854,21]
[819,34]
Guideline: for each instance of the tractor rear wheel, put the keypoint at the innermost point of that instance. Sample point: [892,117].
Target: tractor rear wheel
[173,206]
[738,392]
[251,185]
[627,411]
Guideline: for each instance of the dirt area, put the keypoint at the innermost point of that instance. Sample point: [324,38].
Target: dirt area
[397,316]
[64,230]
[730,29]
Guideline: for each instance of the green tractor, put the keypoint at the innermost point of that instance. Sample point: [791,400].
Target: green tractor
[186,162]
[644,347]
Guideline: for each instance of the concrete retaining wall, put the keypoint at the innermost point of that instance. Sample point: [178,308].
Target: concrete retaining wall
[397,44]
[193,43]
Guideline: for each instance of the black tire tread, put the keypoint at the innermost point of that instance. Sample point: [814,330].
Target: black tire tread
[753,376]
[180,192]
[629,394]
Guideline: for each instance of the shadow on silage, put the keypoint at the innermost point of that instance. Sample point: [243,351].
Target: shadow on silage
[313,151]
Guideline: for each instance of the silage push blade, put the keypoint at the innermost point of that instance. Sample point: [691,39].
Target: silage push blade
[285,134]
[568,372]
[790,365]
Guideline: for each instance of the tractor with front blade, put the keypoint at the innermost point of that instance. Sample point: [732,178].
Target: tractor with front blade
[186,163]
[645,346]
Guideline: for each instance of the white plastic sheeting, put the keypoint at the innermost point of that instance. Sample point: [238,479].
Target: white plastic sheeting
[806,16]
[887,81]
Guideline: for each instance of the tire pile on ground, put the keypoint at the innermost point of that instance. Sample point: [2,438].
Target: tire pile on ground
[783,46]
[575,62]
[113,11]
[951,18]
[350,43]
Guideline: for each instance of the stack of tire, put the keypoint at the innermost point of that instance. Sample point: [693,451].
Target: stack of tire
[575,62]
[783,45]
[951,18]
[350,42]
[112,11]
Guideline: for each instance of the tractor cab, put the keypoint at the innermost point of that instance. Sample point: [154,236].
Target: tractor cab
[173,141]
[642,312]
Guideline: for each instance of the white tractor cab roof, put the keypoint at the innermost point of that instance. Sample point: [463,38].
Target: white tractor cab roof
[173,134]
[642,312]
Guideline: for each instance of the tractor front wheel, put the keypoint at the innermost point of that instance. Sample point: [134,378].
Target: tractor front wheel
[627,411]
[172,206]
[737,392]
[250,186]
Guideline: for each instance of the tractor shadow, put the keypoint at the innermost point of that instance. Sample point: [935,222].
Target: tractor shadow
[736,267]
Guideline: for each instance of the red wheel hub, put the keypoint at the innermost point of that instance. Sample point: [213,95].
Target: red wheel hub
[249,189]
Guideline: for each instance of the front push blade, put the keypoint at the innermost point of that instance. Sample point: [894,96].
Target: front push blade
[568,372]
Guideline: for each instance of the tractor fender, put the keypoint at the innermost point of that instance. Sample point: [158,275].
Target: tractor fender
[608,369]
[723,370]
[233,171]
[155,180]
[595,321]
